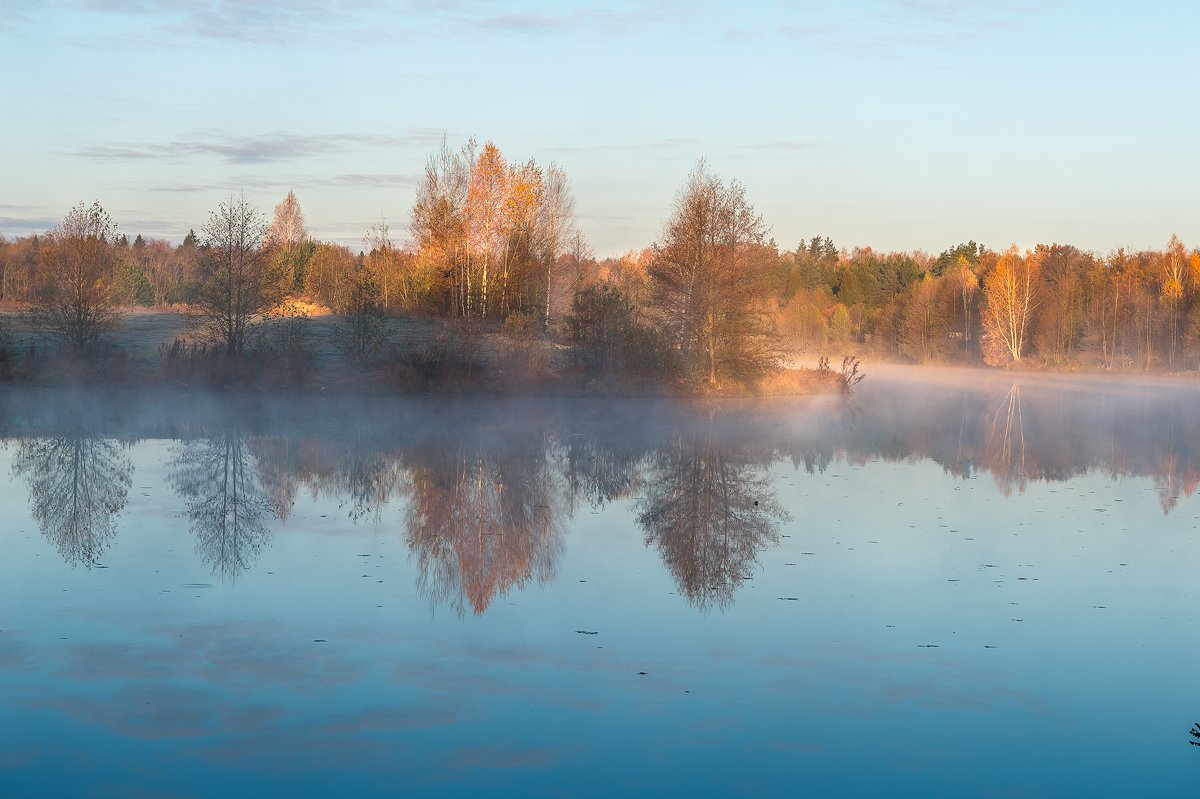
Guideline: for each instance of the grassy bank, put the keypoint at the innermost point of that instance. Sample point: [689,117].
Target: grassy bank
[302,354]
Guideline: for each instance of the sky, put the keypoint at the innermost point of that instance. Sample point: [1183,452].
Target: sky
[895,124]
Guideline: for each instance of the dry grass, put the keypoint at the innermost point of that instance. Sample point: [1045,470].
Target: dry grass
[791,382]
[419,354]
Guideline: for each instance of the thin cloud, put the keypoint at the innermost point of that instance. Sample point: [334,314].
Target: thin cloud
[18,13]
[657,144]
[603,19]
[265,183]
[901,25]
[25,225]
[783,145]
[252,21]
[263,148]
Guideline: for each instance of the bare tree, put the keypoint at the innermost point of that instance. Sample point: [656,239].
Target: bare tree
[238,282]
[73,303]
[557,223]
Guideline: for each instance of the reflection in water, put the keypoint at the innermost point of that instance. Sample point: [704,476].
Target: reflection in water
[484,508]
[709,513]
[483,517]
[603,468]
[77,486]
[226,505]
[1004,442]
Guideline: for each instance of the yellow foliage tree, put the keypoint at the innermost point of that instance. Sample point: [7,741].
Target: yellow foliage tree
[1009,299]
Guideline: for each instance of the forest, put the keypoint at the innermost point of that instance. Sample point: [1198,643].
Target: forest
[496,267]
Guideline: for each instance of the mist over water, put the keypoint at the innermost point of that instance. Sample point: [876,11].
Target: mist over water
[952,583]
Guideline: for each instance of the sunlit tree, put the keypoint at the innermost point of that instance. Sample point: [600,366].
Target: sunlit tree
[73,302]
[1009,299]
[703,282]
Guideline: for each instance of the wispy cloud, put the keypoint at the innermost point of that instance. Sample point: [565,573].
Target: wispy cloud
[24,225]
[656,144]
[783,145]
[263,148]
[552,20]
[251,21]
[899,25]
[384,180]
[17,13]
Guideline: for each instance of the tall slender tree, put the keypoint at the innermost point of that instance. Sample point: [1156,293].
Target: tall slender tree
[557,225]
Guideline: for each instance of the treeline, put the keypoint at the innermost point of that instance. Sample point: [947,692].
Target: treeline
[495,245]
[1055,305]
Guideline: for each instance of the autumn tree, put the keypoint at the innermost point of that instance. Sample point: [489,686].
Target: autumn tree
[1009,299]
[703,285]
[72,302]
[238,283]
[1174,272]
[925,321]
[382,260]
[1058,325]
[288,238]
[486,200]
[330,275]
[439,223]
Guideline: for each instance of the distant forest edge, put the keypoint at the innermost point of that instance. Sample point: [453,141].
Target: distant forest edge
[498,289]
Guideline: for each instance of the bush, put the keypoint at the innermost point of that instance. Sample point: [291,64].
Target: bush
[362,331]
[452,358]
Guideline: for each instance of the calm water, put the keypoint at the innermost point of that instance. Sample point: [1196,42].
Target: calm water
[958,584]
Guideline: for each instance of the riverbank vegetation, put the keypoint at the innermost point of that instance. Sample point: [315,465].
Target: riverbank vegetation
[495,288]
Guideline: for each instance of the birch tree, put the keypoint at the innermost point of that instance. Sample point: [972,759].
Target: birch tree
[1009,299]
[557,226]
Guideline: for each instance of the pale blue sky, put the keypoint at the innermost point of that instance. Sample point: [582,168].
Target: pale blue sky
[900,124]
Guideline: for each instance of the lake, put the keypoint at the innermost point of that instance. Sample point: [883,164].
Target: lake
[954,583]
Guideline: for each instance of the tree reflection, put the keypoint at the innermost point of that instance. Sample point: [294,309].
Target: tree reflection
[78,485]
[1004,443]
[482,518]
[602,468]
[226,505]
[708,511]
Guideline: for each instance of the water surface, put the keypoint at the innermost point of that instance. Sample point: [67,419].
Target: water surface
[955,584]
